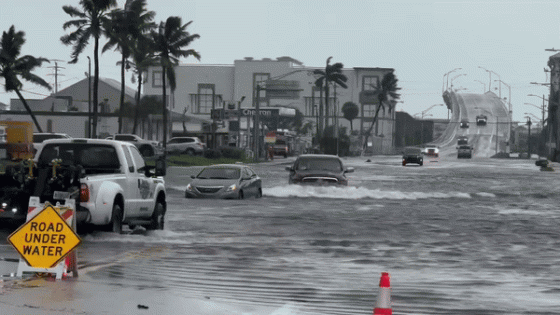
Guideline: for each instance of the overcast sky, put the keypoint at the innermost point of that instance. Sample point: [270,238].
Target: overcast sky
[421,40]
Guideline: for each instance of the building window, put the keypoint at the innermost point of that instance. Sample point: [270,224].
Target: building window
[369,82]
[368,110]
[205,98]
[157,80]
[257,78]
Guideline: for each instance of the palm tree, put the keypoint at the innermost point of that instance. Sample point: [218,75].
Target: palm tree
[89,23]
[142,58]
[12,66]
[350,111]
[332,73]
[123,29]
[169,39]
[385,91]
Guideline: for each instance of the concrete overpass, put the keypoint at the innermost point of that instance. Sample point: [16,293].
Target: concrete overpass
[486,140]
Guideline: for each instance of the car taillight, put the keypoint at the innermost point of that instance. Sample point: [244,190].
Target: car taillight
[84,193]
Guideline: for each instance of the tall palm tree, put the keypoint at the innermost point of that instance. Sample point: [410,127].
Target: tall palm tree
[142,58]
[89,23]
[169,39]
[123,29]
[385,91]
[332,73]
[12,66]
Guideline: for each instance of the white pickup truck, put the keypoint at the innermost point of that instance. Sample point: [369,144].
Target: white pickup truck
[109,179]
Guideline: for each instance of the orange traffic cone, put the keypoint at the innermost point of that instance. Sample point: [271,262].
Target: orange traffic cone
[383,304]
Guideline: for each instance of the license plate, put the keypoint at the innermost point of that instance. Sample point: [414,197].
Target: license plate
[61,195]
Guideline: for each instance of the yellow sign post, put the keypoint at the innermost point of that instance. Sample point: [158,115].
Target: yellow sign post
[45,239]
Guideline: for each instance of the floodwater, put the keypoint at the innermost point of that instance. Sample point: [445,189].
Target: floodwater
[476,236]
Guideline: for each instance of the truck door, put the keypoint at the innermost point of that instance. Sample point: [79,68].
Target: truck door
[144,185]
[133,191]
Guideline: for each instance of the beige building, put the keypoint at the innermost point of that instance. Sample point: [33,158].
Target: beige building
[203,88]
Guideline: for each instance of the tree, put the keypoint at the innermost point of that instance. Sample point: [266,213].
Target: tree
[89,23]
[123,29]
[143,56]
[332,73]
[12,66]
[385,91]
[169,39]
[350,111]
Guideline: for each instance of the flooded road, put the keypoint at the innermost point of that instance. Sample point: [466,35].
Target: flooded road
[476,236]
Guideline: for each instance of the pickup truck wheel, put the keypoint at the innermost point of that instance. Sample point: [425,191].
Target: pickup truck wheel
[158,218]
[115,225]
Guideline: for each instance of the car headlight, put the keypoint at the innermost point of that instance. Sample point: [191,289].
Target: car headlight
[232,187]
[190,187]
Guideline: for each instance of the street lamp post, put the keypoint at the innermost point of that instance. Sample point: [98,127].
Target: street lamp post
[528,136]
[455,77]
[548,123]
[490,75]
[447,74]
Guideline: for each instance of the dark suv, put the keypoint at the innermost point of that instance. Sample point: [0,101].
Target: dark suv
[318,169]
[412,155]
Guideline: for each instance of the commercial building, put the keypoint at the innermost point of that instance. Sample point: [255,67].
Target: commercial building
[203,89]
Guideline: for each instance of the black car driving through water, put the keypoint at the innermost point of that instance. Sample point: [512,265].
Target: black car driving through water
[318,169]
[412,155]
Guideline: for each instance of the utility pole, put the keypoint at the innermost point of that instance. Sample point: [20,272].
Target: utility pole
[529,136]
[89,97]
[56,67]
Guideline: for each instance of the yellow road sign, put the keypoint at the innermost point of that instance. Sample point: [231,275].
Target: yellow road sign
[44,240]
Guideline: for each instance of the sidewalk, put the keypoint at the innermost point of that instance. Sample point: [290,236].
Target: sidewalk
[84,295]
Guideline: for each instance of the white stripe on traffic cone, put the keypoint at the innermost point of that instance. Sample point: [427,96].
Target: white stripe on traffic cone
[383,304]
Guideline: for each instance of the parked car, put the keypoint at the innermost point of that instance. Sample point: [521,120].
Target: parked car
[464,151]
[461,140]
[412,155]
[464,123]
[147,148]
[225,181]
[431,150]
[318,169]
[188,145]
[39,137]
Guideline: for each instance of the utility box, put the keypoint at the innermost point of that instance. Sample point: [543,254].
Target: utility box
[19,139]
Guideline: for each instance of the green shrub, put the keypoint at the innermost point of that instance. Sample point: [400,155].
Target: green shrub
[213,154]
[232,152]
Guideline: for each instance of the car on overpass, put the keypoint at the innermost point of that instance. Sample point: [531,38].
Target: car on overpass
[464,151]
[461,140]
[481,120]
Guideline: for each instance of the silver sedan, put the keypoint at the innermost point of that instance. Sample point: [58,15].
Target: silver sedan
[225,181]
